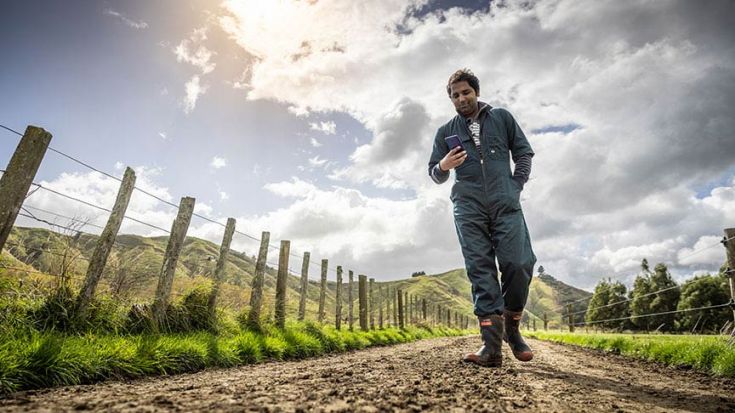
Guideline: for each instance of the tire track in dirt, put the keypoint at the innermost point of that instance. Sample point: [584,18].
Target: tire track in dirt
[420,376]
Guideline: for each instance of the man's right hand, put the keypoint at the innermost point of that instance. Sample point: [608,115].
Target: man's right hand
[453,159]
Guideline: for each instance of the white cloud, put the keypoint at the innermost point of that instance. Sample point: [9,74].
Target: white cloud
[328,127]
[649,84]
[193,91]
[163,135]
[218,162]
[317,162]
[315,143]
[223,196]
[126,20]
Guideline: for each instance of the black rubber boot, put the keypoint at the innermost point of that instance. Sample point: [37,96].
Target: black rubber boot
[513,337]
[491,331]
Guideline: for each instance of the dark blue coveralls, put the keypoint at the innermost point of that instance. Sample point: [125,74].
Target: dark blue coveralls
[487,209]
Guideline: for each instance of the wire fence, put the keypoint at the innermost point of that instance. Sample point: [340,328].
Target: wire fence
[631,317]
[158,198]
[697,251]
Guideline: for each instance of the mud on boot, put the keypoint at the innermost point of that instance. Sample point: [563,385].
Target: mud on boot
[491,331]
[513,337]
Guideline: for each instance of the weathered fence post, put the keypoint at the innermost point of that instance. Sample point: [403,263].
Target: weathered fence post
[323,289]
[219,269]
[571,318]
[534,324]
[410,309]
[105,242]
[362,297]
[406,309]
[350,317]
[388,300]
[338,300]
[18,177]
[395,307]
[380,306]
[423,308]
[546,322]
[256,293]
[729,242]
[304,285]
[170,258]
[280,313]
[399,300]
[372,304]
[449,318]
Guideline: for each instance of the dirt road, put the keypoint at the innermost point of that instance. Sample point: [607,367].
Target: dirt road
[425,375]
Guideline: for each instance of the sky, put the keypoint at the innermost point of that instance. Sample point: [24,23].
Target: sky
[314,120]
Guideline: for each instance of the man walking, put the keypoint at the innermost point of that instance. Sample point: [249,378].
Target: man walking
[487,213]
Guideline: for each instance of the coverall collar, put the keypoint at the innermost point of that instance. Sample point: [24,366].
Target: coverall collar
[483,107]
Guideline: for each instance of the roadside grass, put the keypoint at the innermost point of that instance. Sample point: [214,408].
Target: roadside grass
[31,359]
[710,354]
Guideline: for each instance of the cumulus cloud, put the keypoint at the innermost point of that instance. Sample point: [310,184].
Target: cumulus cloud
[218,162]
[315,143]
[193,91]
[328,127]
[126,20]
[648,86]
[194,52]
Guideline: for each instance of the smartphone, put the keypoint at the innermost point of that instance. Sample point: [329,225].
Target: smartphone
[453,141]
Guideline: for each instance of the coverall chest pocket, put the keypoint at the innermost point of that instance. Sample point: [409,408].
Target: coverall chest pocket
[494,150]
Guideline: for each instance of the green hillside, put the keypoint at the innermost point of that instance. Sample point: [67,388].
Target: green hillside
[134,265]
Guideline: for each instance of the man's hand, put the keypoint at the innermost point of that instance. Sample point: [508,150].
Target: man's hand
[453,159]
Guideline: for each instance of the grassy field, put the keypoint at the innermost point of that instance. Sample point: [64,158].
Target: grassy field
[709,354]
[33,360]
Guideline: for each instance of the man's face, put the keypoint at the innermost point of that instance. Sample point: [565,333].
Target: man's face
[463,97]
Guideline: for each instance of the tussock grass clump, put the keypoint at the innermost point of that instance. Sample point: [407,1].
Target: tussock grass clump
[31,360]
[710,354]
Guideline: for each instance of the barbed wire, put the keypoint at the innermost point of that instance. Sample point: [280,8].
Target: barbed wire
[728,304]
[673,287]
[162,200]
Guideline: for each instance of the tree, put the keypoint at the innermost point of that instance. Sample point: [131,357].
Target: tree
[640,301]
[666,300]
[704,291]
[606,293]
[418,274]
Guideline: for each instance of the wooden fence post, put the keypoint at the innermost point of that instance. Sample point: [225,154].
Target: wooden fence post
[534,324]
[280,313]
[18,177]
[304,285]
[395,307]
[449,318]
[256,293]
[170,258]
[105,242]
[410,309]
[406,309]
[729,242]
[571,318]
[338,300]
[362,297]
[546,322]
[380,306]
[350,317]
[388,300]
[371,301]
[423,308]
[323,290]
[399,300]
[219,269]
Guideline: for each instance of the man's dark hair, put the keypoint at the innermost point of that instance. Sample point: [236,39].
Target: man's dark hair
[464,75]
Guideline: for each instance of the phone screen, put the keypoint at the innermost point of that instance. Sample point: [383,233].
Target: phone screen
[453,141]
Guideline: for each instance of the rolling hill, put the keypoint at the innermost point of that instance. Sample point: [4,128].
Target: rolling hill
[134,265]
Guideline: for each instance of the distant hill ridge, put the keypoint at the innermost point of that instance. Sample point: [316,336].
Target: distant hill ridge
[139,259]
